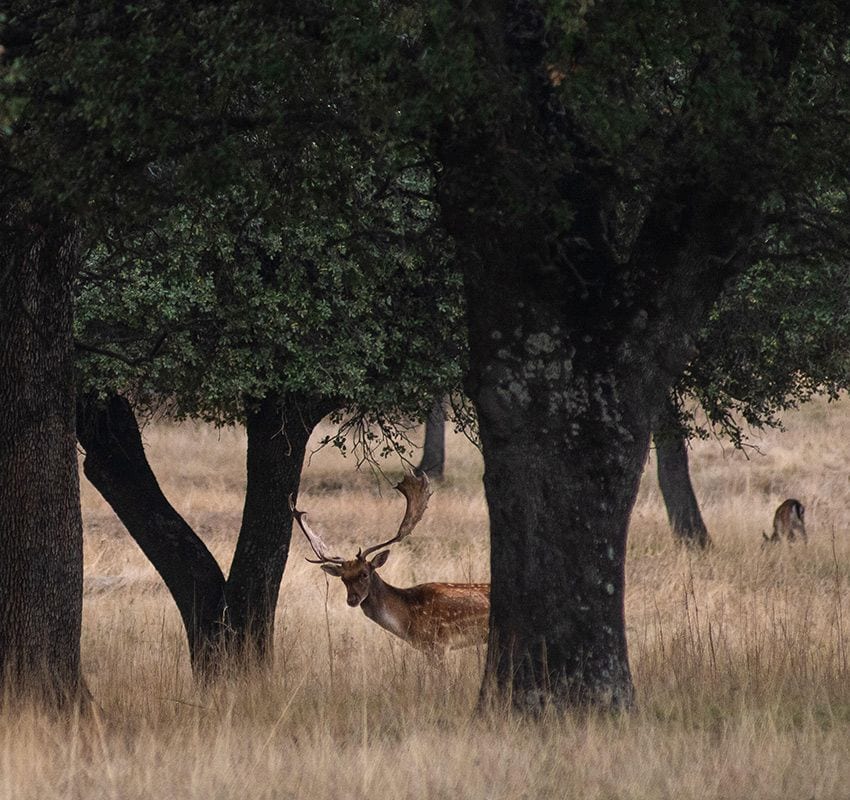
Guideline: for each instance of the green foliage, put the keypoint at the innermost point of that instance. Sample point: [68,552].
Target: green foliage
[751,97]
[691,144]
[256,181]
[108,98]
[775,340]
[249,228]
[363,310]
[654,96]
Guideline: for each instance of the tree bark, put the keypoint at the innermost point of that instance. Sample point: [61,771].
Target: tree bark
[674,480]
[564,446]
[566,402]
[557,630]
[116,464]
[575,338]
[433,461]
[227,622]
[41,552]
[278,431]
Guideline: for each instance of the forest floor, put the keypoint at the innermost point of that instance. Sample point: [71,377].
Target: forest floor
[740,656]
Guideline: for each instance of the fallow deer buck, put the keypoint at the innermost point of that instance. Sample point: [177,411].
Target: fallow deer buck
[788,522]
[433,617]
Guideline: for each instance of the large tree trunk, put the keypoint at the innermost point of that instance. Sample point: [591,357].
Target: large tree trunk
[116,464]
[41,552]
[564,446]
[566,402]
[433,461]
[674,480]
[278,431]
[576,336]
[558,539]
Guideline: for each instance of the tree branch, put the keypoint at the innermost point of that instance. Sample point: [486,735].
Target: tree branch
[133,362]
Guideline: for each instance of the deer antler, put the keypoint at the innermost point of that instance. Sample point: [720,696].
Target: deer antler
[319,547]
[417,491]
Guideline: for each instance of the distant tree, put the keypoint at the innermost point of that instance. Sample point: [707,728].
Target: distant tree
[780,336]
[776,339]
[674,478]
[433,461]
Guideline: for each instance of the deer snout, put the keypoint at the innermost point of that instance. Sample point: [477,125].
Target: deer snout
[354,600]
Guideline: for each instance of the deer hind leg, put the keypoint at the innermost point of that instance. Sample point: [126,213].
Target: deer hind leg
[769,540]
[435,654]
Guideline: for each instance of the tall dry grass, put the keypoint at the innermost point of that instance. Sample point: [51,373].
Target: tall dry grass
[740,656]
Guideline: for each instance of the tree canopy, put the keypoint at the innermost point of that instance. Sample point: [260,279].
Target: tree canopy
[608,170]
[319,306]
[246,178]
[246,225]
[773,341]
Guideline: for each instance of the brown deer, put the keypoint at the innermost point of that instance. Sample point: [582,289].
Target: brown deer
[433,617]
[788,522]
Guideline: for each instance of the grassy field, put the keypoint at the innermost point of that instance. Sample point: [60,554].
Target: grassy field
[739,656]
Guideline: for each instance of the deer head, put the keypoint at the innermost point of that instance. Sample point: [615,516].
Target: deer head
[357,573]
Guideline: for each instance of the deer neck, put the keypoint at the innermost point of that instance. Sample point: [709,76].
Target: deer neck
[386,606]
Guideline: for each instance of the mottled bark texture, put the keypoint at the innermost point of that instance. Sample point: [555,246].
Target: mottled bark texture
[41,552]
[674,479]
[228,622]
[576,335]
[433,461]
[565,436]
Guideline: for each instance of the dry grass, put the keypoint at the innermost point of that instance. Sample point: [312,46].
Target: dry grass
[740,656]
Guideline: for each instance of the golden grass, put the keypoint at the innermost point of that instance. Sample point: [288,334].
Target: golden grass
[739,656]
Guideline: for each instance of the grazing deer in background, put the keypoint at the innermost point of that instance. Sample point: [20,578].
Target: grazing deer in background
[433,617]
[788,522]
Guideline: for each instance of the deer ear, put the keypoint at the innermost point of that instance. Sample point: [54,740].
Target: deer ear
[380,559]
[332,569]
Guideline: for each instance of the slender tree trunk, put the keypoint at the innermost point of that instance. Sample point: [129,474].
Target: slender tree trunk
[674,480]
[227,622]
[116,465]
[434,450]
[278,431]
[41,553]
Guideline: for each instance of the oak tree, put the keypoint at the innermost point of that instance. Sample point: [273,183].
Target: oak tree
[607,169]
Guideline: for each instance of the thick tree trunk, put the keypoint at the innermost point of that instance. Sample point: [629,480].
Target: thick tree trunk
[41,552]
[577,332]
[433,461]
[116,465]
[278,432]
[566,404]
[674,480]
[564,446]
[557,629]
